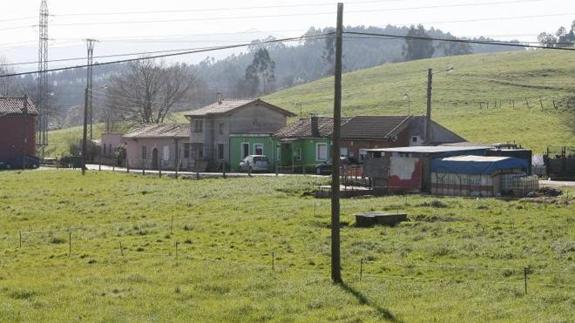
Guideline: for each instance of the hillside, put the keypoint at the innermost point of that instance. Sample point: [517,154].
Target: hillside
[502,78]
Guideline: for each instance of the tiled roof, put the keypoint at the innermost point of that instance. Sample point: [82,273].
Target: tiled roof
[227,106]
[302,128]
[373,127]
[17,105]
[171,130]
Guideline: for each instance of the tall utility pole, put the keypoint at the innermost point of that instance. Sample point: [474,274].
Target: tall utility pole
[85,132]
[42,123]
[335,237]
[428,138]
[89,79]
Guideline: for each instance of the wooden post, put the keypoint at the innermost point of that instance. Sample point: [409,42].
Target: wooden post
[541,103]
[20,240]
[127,166]
[177,251]
[69,243]
[224,168]
[160,167]
[144,167]
[525,279]
[273,261]
[360,269]
[527,103]
[100,164]
[554,106]
[172,224]
[121,249]
[335,194]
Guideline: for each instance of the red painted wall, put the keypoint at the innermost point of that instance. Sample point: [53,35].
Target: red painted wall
[413,184]
[354,146]
[17,136]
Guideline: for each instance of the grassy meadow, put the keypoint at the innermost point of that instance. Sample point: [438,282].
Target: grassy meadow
[457,259]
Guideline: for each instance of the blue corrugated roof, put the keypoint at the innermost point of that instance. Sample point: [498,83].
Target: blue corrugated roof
[476,164]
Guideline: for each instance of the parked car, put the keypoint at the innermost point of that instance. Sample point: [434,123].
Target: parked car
[325,167]
[255,163]
[4,165]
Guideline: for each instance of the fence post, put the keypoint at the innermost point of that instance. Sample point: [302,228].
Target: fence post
[20,239]
[224,168]
[144,167]
[273,261]
[177,167]
[172,224]
[159,167]
[277,170]
[525,278]
[69,243]
[121,249]
[127,166]
[177,251]
[100,164]
[360,269]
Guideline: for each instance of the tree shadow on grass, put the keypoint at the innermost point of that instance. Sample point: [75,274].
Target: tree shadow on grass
[362,299]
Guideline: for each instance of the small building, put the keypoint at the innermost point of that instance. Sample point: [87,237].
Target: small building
[481,176]
[369,132]
[305,143]
[112,147]
[17,130]
[213,125]
[408,169]
[159,145]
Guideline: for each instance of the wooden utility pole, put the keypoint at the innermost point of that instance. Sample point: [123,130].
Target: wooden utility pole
[428,116]
[335,238]
[85,133]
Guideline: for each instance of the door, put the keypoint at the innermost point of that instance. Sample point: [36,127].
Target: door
[155,158]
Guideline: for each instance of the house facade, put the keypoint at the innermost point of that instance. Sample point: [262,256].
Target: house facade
[307,142]
[212,127]
[17,129]
[244,145]
[165,146]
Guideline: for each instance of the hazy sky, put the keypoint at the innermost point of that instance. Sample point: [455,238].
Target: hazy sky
[136,25]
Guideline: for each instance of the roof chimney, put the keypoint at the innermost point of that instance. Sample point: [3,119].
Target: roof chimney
[220,97]
[314,125]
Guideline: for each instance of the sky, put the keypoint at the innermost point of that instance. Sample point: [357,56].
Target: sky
[129,26]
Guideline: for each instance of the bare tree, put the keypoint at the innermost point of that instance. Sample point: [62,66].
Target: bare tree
[146,91]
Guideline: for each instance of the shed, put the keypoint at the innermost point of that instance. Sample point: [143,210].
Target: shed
[408,169]
[480,176]
[17,129]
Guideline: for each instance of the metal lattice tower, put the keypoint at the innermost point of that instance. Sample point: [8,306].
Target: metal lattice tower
[89,79]
[42,140]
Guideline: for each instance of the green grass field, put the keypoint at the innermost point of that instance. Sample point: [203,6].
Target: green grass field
[507,79]
[456,260]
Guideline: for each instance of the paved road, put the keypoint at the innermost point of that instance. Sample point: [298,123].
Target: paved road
[557,183]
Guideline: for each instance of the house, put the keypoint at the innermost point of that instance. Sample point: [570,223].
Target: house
[307,142]
[165,146]
[17,129]
[243,145]
[212,127]
[408,169]
[368,132]
[481,176]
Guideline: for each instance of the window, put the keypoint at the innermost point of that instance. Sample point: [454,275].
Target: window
[343,151]
[220,151]
[198,125]
[221,127]
[245,149]
[258,149]
[166,153]
[321,152]
[414,139]
[187,150]
[197,151]
[144,152]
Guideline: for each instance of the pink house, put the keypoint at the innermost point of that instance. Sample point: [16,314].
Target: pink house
[159,145]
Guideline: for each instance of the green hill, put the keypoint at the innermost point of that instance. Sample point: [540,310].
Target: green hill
[509,80]
[506,79]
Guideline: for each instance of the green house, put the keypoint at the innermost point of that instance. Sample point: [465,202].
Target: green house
[304,144]
[242,145]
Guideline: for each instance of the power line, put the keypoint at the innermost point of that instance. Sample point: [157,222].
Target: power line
[203,50]
[455,40]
